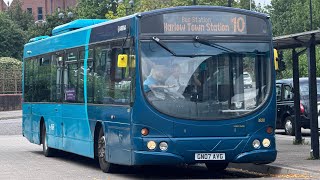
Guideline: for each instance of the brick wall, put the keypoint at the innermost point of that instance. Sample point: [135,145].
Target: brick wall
[10,102]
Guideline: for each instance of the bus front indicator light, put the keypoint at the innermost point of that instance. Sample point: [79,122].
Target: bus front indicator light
[151,145]
[266,143]
[256,144]
[163,146]
[144,131]
[269,130]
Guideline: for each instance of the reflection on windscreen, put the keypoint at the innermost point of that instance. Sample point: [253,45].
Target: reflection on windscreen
[210,86]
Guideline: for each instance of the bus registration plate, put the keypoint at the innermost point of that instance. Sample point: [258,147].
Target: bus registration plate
[210,156]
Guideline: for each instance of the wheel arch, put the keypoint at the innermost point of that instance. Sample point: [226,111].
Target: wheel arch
[97,128]
[42,123]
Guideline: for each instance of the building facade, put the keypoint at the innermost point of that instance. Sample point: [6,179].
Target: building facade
[40,8]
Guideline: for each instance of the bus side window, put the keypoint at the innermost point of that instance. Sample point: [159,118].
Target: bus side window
[28,71]
[102,87]
[43,88]
[57,69]
[72,86]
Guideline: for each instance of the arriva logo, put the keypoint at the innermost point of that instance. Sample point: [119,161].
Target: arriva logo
[122,28]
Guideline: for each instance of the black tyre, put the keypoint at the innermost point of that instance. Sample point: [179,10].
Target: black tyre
[47,151]
[216,167]
[104,165]
[289,126]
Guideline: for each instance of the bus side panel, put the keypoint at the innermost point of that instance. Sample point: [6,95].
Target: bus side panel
[116,122]
[49,113]
[76,133]
[26,121]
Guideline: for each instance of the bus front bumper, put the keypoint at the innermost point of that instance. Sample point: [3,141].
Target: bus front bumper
[165,158]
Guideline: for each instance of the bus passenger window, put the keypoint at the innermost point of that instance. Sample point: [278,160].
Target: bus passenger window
[73,78]
[102,88]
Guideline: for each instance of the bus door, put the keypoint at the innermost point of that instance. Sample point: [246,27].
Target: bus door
[119,113]
[55,124]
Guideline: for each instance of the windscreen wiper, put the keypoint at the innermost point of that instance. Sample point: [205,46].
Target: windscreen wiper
[164,46]
[208,43]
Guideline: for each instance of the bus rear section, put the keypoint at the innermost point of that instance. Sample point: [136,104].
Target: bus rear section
[195,103]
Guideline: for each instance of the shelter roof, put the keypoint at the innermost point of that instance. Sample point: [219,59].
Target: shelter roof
[296,40]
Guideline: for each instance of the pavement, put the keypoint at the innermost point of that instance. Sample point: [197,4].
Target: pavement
[291,160]
[10,114]
[4,115]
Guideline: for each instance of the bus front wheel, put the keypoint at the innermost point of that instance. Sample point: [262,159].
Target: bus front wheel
[47,151]
[104,165]
[216,167]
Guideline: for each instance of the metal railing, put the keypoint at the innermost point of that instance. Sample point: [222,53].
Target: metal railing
[10,81]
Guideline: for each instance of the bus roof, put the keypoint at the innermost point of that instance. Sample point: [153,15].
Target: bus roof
[65,37]
[77,24]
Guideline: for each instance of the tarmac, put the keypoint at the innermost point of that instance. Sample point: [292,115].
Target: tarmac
[10,114]
[291,159]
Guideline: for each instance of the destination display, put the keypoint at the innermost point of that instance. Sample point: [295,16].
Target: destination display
[204,22]
[199,23]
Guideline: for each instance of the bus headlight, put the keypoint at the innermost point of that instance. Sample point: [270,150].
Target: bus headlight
[163,146]
[151,145]
[266,143]
[256,144]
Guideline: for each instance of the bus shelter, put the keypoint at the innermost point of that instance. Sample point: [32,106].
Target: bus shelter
[306,41]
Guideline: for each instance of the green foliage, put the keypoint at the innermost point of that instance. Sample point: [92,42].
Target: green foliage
[245,4]
[51,22]
[12,38]
[292,16]
[22,18]
[148,5]
[93,9]
[10,63]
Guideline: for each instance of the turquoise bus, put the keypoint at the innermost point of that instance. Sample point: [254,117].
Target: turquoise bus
[181,85]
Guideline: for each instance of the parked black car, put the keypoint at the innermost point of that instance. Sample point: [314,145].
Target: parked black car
[285,104]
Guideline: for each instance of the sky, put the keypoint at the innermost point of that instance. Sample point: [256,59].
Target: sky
[263,2]
[7,1]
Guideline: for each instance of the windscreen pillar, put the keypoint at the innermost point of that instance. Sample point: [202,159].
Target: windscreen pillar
[296,87]
[313,98]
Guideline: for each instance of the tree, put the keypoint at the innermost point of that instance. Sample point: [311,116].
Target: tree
[22,18]
[245,4]
[12,38]
[148,5]
[292,16]
[94,9]
[52,21]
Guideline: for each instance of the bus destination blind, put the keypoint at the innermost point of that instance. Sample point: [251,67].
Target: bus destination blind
[204,23]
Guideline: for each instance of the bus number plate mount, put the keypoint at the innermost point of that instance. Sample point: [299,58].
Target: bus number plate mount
[210,156]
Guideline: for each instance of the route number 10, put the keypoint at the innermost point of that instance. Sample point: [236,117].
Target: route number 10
[238,24]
